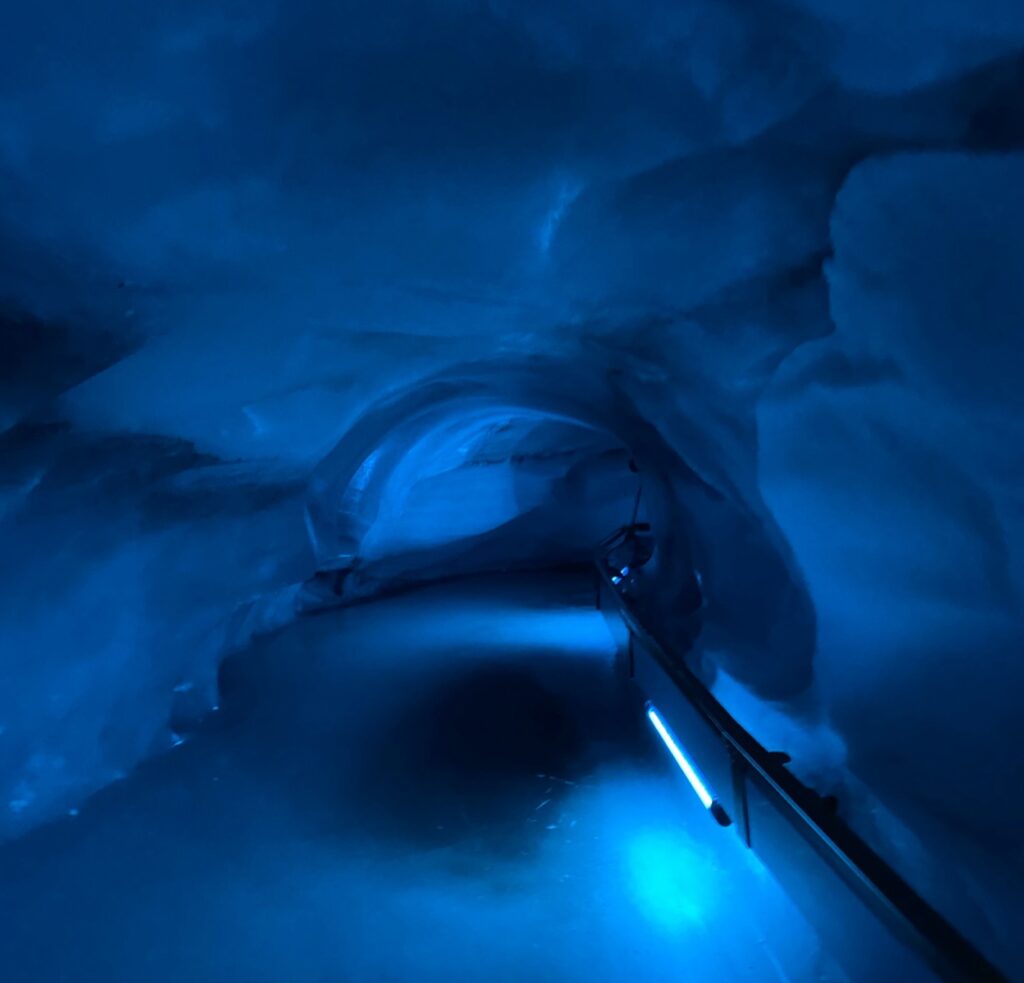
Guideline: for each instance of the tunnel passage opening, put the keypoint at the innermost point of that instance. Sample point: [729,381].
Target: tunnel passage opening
[504,466]
[498,489]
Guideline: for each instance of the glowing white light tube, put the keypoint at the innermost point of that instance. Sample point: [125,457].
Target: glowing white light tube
[676,751]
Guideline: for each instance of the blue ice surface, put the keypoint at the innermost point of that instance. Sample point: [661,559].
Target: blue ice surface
[450,784]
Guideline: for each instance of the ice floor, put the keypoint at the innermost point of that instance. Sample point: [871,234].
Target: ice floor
[451,784]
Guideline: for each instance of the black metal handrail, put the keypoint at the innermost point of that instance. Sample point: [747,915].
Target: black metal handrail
[912,919]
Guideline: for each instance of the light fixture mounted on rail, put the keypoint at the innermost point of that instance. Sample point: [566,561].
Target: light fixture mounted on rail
[696,782]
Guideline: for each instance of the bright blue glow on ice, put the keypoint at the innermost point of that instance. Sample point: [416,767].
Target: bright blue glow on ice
[676,751]
[671,882]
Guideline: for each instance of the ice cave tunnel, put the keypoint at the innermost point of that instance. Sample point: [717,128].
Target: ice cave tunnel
[512,491]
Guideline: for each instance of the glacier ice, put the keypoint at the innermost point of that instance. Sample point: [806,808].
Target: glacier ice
[300,303]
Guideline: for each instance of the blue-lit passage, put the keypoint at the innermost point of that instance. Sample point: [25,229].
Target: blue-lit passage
[684,765]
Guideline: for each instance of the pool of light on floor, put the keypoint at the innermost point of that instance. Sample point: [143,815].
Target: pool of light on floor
[672,881]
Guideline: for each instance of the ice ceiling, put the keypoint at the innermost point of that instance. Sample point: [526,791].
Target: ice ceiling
[291,284]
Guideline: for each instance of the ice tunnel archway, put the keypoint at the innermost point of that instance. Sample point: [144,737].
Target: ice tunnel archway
[757,620]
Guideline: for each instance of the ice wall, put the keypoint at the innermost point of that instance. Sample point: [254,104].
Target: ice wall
[123,560]
[892,446]
[275,276]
